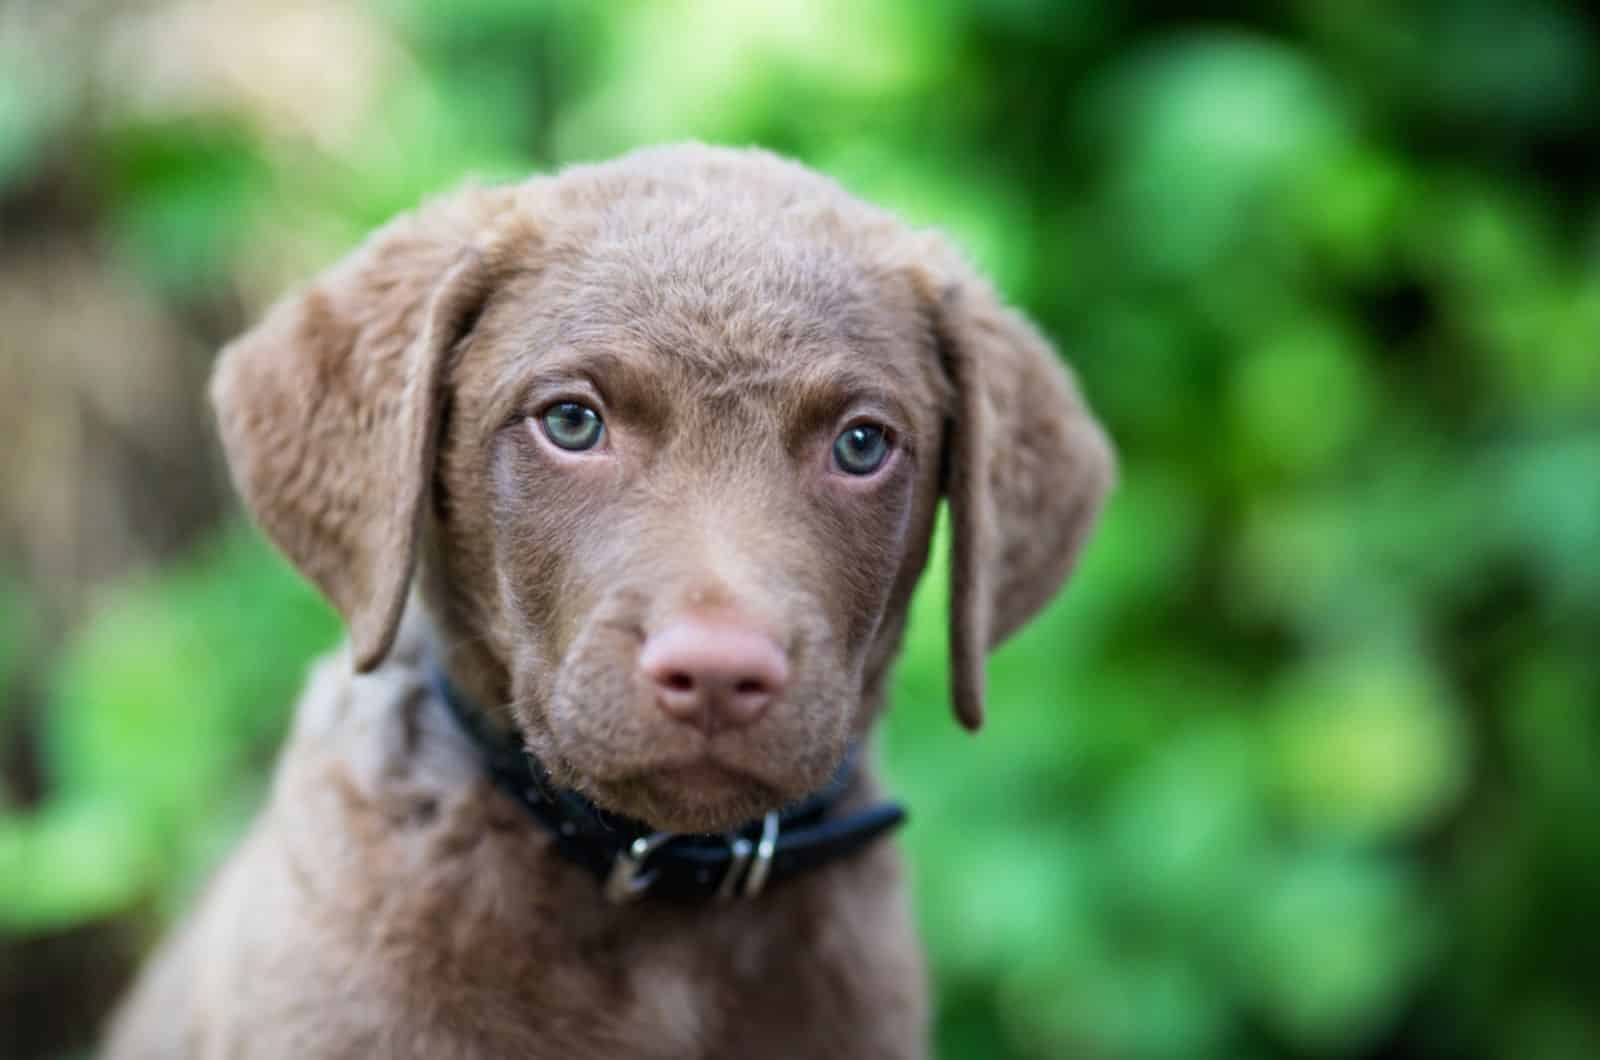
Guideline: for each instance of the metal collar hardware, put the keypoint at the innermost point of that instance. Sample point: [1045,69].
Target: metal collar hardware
[628,880]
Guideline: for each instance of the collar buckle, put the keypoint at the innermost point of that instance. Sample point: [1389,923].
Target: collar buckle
[749,884]
[630,880]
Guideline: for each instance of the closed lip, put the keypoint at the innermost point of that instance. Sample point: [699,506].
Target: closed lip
[703,774]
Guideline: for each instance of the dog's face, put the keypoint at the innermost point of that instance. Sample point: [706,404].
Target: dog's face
[674,431]
[714,436]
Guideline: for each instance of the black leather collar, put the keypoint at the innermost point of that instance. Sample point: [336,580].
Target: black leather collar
[631,861]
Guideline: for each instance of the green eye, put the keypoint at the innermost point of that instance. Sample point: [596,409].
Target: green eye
[572,426]
[861,450]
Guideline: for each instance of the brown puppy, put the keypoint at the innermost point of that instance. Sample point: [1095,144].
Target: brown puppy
[662,441]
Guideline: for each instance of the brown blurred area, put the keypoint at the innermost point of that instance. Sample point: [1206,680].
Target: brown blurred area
[110,460]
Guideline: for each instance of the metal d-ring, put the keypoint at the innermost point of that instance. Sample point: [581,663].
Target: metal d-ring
[628,881]
[739,851]
[765,847]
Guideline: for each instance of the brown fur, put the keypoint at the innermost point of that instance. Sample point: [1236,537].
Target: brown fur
[728,313]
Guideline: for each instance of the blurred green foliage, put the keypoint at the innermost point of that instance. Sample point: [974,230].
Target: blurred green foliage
[1307,761]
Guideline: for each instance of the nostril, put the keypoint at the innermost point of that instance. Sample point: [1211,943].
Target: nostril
[714,674]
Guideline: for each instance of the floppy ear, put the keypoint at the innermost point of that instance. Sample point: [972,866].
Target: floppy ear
[1028,468]
[329,408]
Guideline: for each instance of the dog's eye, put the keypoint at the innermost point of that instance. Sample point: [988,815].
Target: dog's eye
[572,426]
[862,449]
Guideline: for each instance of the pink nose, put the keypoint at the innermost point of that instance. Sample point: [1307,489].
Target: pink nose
[713,674]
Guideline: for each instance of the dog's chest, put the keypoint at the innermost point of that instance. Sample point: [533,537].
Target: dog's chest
[465,930]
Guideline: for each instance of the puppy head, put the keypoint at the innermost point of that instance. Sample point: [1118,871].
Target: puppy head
[669,435]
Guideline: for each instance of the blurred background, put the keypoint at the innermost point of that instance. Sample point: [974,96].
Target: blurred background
[1307,761]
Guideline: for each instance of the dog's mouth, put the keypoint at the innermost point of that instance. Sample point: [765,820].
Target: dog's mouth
[701,793]
[704,778]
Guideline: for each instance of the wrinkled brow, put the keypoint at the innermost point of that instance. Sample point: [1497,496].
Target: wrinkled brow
[810,392]
[606,370]
[622,381]
[817,401]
